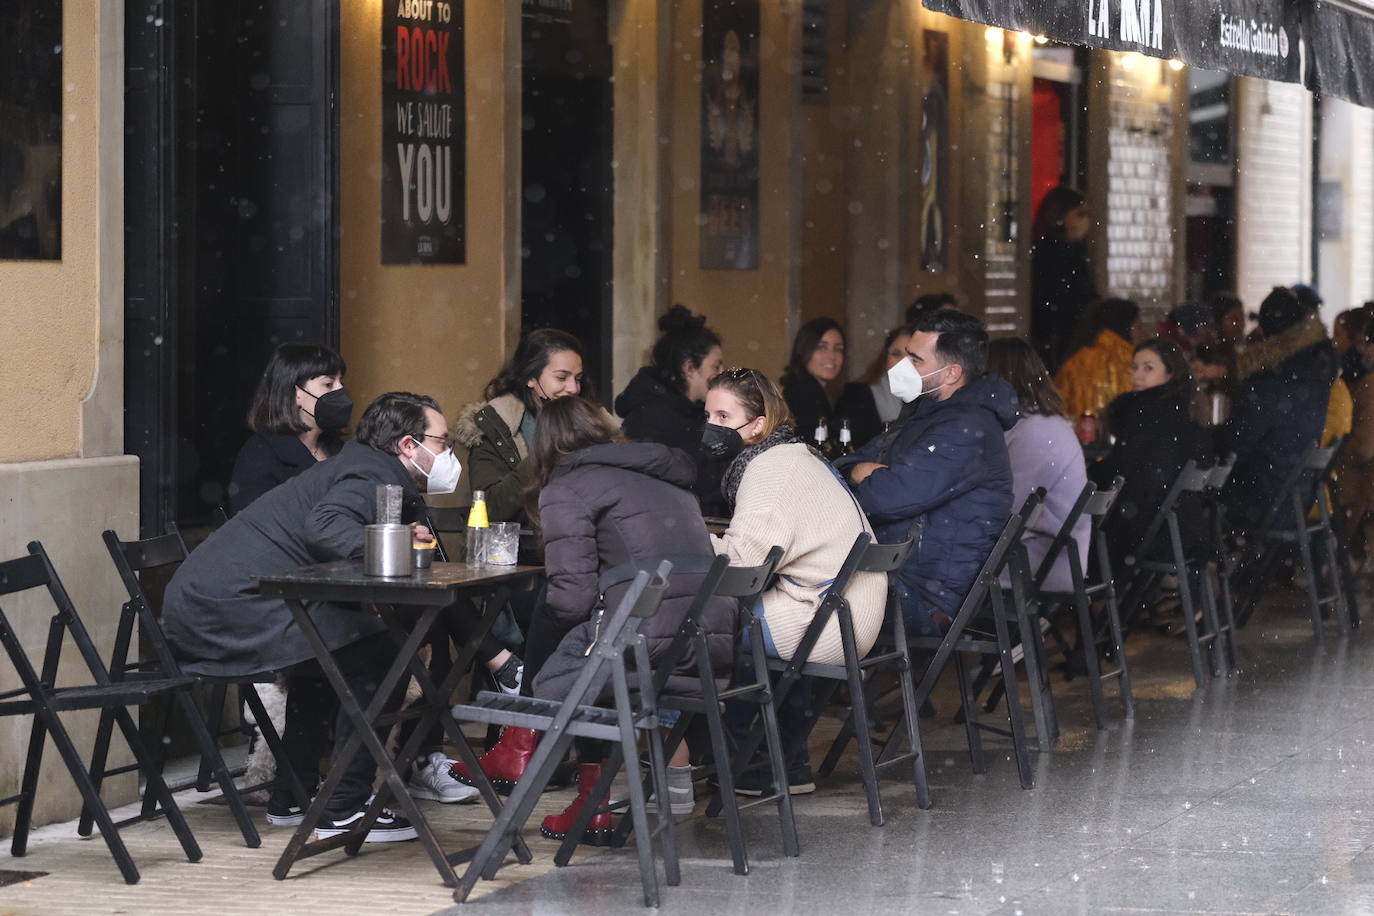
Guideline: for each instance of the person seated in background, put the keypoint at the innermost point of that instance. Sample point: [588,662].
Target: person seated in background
[747,422]
[887,405]
[1190,325]
[1355,471]
[945,464]
[813,383]
[298,413]
[663,402]
[220,625]
[1280,409]
[1154,436]
[1228,314]
[930,302]
[1044,452]
[1100,369]
[1348,333]
[607,509]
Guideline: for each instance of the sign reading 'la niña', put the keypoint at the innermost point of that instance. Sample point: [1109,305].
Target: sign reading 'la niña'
[423,132]
[1250,37]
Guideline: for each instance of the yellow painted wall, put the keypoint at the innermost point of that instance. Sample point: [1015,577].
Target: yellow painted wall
[434,329]
[50,310]
[750,309]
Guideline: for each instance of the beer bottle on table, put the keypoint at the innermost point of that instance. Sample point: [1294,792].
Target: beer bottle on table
[822,438]
[477,528]
[846,439]
[1088,428]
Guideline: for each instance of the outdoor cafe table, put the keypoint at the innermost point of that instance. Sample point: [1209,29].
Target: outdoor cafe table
[409,605]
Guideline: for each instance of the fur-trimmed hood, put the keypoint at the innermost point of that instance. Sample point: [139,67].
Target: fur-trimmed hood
[1268,353]
[508,408]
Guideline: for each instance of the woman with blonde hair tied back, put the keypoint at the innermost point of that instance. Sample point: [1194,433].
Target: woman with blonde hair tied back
[784,493]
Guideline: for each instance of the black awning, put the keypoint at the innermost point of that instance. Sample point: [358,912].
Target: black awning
[1340,50]
[1246,37]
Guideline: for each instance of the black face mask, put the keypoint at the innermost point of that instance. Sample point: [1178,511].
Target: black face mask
[333,409]
[722,443]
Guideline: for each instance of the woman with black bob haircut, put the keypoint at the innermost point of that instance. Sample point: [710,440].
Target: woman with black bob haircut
[813,386]
[298,415]
[1154,436]
[498,432]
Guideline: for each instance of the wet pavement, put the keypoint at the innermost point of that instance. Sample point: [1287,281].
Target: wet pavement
[1251,795]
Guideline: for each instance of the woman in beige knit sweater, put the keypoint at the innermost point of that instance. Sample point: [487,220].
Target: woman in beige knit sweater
[785,493]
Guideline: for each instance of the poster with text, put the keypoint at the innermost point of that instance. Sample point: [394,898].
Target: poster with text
[935,156]
[423,133]
[729,215]
[31,130]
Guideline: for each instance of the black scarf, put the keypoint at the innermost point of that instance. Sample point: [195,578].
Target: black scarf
[783,435]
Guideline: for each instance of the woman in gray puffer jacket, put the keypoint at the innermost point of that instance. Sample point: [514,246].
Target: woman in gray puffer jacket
[606,509]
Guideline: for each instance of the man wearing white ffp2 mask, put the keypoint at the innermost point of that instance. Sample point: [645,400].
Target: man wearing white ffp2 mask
[944,464]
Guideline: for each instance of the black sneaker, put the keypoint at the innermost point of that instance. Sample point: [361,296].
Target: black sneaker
[757,783]
[282,812]
[389,827]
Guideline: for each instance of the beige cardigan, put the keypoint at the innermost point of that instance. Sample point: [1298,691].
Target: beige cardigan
[788,497]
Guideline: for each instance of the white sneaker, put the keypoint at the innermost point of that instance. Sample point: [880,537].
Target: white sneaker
[434,782]
[511,690]
[681,796]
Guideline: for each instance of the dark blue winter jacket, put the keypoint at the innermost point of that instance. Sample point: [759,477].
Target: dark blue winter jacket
[947,467]
[1277,415]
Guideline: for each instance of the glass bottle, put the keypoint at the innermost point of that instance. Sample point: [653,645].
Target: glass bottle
[477,528]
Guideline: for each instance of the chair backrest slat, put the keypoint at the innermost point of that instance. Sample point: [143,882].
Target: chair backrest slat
[1221,473]
[22,574]
[1102,501]
[888,558]
[747,581]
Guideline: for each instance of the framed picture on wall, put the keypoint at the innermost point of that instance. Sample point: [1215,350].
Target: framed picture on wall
[935,155]
[31,131]
[424,133]
[729,215]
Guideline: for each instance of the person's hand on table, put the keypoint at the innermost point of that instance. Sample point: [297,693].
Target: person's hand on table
[420,534]
[862,470]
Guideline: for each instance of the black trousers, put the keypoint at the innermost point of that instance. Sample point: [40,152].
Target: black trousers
[311,706]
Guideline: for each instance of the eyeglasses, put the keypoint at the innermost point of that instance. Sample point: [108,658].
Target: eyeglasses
[447,440]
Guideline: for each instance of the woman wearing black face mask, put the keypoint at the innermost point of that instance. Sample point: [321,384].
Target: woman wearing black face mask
[784,493]
[298,416]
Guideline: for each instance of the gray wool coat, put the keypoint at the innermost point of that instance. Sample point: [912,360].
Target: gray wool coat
[607,511]
[218,623]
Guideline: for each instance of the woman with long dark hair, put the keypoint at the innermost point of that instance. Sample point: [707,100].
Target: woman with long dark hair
[547,365]
[813,384]
[1154,435]
[1062,283]
[1044,452]
[298,416]
[607,508]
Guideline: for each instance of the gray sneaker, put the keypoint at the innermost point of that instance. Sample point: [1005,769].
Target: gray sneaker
[681,796]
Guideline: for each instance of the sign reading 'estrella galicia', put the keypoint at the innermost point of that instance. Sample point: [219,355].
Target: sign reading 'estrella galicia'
[1249,37]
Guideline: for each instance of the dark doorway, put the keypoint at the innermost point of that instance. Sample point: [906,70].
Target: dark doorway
[566,176]
[1210,204]
[231,227]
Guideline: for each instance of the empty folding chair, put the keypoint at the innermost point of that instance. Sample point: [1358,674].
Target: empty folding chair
[745,584]
[41,699]
[986,598]
[138,617]
[577,715]
[863,557]
[1289,527]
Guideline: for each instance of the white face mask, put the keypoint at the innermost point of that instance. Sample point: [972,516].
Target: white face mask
[907,384]
[443,473]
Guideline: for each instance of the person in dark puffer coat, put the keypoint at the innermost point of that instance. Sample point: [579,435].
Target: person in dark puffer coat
[945,464]
[607,509]
[1278,412]
[664,402]
[1154,437]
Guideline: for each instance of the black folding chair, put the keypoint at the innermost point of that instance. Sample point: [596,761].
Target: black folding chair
[137,616]
[744,584]
[577,715]
[985,597]
[1225,556]
[40,698]
[1146,569]
[863,557]
[1341,524]
[1301,490]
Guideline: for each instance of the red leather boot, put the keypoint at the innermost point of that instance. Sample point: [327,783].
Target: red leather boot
[505,763]
[601,826]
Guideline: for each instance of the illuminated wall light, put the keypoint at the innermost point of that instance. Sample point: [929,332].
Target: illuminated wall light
[1041,40]
[993,35]
[1175,64]
[1128,61]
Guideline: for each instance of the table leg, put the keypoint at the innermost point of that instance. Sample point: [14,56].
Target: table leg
[365,735]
